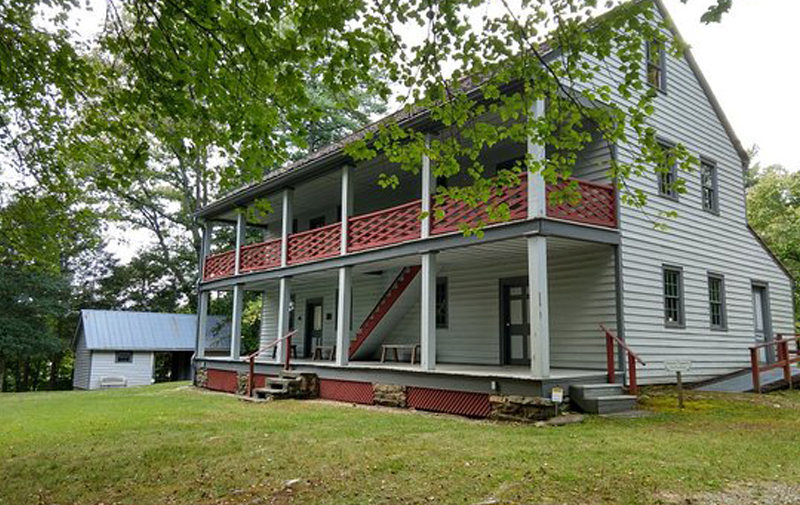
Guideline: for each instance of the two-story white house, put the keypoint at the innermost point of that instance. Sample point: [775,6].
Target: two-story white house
[377,294]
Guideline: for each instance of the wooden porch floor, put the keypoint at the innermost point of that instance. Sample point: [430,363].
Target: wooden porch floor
[507,372]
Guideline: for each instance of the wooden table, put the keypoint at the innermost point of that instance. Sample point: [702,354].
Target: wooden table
[414,348]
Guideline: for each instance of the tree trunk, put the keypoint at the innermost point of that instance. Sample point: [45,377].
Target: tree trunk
[18,376]
[26,371]
[55,364]
[2,373]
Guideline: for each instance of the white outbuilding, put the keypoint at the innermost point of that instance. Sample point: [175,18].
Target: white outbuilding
[122,348]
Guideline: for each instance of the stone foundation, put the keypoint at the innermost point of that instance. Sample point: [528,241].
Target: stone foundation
[523,409]
[241,383]
[201,378]
[389,395]
[307,386]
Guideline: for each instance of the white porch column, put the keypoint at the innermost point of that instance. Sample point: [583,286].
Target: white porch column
[428,188]
[537,195]
[205,245]
[236,321]
[286,225]
[428,312]
[343,315]
[202,324]
[284,302]
[347,204]
[539,320]
[241,229]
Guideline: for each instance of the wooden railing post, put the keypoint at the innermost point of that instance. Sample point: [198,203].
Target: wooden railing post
[783,350]
[755,370]
[610,361]
[251,377]
[287,363]
[633,388]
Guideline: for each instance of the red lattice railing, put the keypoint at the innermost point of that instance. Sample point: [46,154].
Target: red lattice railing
[219,265]
[597,204]
[384,227]
[315,244]
[260,256]
[458,213]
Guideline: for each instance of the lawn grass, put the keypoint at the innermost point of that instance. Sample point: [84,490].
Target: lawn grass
[172,444]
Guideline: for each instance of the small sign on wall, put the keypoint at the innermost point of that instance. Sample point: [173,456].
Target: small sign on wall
[678,365]
[557,395]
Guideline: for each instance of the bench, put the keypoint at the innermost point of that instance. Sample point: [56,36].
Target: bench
[321,350]
[414,348]
[113,382]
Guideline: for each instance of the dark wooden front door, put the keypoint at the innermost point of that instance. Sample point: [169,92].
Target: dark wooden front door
[515,343]
[314,318]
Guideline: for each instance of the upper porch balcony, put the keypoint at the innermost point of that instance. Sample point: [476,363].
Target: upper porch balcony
[403,223]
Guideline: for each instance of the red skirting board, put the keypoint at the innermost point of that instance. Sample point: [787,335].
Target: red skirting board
[450,402]
[221,380]
[346,391]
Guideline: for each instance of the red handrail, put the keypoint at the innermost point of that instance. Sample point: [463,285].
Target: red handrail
[612,339]
[252,358]
[784,361]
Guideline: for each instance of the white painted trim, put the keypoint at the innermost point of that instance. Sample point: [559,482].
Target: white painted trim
[286,225]
[428,187]
[537,194]
[343,315]
[202,324]
[236,321]
[284,302]
[347,205]
[428,312]
[539,310]
[241,230]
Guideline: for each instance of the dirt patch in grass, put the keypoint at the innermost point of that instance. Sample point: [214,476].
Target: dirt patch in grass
[758,493]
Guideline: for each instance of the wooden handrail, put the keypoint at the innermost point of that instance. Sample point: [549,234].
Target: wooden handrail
[784,359]
[252,358]
[361,217]
[612,339]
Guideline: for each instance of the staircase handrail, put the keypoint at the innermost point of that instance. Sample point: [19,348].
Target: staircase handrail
[384,295]
[784,361]
[612,339]
[252,358]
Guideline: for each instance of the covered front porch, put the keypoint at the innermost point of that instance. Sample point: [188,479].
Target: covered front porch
[469,309]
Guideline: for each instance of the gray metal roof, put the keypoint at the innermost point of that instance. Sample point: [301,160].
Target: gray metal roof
[149,331]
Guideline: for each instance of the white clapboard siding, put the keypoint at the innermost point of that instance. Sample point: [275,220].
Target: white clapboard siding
[697,241]
[83,363]
[139,372]
[581,289]
[367,289]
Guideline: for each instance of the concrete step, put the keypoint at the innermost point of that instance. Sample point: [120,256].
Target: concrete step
[591,391]
[607,404]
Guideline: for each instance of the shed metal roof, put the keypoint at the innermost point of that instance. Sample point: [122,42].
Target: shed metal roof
[149,331]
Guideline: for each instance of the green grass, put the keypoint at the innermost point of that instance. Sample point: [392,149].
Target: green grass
[171,444]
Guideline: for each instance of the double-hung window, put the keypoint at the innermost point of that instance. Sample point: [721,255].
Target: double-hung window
[708,186]
[673,297]
[656,71]
[716,301]
[667,173]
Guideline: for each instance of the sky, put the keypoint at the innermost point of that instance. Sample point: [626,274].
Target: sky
[747,60]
